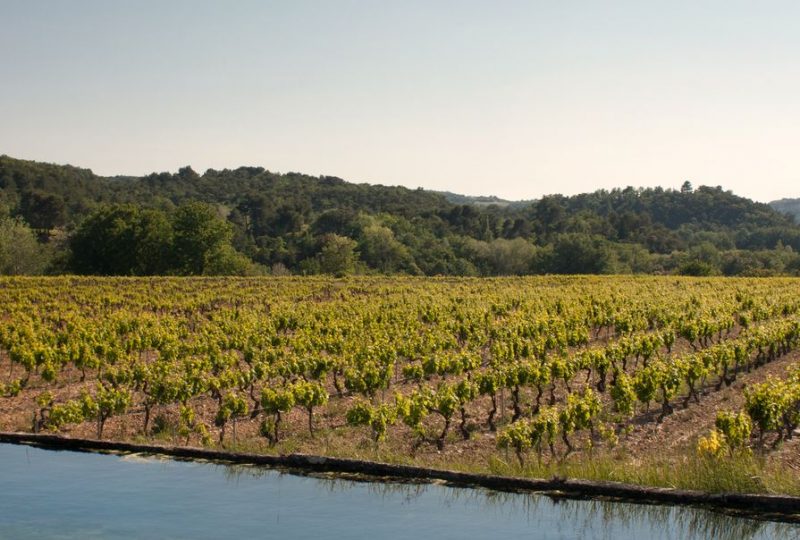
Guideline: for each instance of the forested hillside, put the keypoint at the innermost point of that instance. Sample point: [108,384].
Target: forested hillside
[60,218]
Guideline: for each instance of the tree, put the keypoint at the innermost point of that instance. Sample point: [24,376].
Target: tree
[697,268]
[226,261]
[580,254]
[153,233]
[342,221]
[200,235]
[43,210]
[549,213]
[511,257]
[122,240]
[188,174]
[20,253]
[703,260]
[381,250]
[338,255]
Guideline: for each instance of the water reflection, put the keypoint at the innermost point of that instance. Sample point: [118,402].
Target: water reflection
[71,495]
[663,521]
[579,516]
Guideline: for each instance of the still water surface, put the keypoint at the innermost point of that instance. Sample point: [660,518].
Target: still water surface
[65,495]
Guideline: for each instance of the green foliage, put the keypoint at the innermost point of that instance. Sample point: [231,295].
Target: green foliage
[380,250]
[45,399]
[517,436]
[12,388]
[233,405]
[122,240]
[645,384]
[697,268]
[20,252]
[576,253]
[277,401]
[71,412]
[189,425]
[337,255]
[107,402]
[445,401]
[367,378]
[244,220]
[129,240]
[413,409]
[775,405]
[764,405]
[580,411]
[736,427]
[226,261]
[310,394]
[378,418]
[623,392]
[43,210]
[199,236]
[541,430]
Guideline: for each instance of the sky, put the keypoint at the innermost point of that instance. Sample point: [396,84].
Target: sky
[516,99]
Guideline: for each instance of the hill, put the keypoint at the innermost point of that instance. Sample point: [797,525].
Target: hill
[300,223]
[788,206]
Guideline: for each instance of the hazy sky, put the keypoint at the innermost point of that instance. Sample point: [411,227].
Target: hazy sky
[511,98]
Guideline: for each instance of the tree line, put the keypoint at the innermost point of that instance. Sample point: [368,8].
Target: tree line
[63,219]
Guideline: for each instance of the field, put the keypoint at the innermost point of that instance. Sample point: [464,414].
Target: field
[656,380]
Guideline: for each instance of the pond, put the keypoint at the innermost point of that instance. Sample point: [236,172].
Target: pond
[59,494]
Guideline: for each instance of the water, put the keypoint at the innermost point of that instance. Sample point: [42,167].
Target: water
[49,494]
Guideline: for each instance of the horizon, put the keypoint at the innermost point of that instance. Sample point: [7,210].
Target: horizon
[356,182]
[513,100]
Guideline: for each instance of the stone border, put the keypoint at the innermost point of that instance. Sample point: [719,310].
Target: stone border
[773,507]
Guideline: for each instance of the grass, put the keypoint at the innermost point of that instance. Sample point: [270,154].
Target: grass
[740,473]
[732,474]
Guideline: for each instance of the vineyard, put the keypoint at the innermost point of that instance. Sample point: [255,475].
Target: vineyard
[479,373]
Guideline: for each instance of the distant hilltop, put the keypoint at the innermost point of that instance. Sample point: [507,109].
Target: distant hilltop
[788,206]
[481,200]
